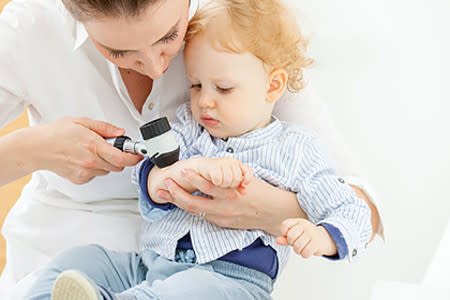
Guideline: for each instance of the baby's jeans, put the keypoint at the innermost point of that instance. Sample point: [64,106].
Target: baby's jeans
[150,276]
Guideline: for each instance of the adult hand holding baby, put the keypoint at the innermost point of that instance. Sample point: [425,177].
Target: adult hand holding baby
[226,173]
[230,207]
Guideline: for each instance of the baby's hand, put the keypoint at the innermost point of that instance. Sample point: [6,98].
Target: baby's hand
[306,238]
[226,172]
[155,182]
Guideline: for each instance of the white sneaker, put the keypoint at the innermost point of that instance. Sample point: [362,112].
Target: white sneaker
[72,285]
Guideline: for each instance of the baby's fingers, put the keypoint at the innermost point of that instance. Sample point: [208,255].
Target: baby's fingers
[231,176]
[288,224]
[293,234]
[216,176]
[237,175]
[300,244]
[282,241]
[247,172]
[308,250]
[227,176]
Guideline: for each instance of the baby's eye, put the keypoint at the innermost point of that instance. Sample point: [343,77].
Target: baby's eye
[223,90]
[196,86]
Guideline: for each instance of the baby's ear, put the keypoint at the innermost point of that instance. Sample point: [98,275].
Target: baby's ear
[278,79]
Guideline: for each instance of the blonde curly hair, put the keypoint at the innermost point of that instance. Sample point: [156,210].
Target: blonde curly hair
[264,28]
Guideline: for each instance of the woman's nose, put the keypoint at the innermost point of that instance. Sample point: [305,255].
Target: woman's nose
[152,64]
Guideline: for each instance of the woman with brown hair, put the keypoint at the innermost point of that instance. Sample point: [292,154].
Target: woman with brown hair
[82,67]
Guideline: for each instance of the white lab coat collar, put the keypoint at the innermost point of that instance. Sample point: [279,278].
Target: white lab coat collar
[81,35]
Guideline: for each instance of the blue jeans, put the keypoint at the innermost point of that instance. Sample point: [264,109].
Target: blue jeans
[150,276]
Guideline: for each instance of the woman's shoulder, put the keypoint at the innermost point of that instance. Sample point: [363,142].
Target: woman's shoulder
[27,15]
[33,8]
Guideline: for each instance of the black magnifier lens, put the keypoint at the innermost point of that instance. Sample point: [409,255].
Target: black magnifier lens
[160,142]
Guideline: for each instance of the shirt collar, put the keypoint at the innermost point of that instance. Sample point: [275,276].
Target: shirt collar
[81,35]
[266,133]
[254,138]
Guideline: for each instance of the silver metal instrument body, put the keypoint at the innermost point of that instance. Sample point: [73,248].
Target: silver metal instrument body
[135,147]
[126,144]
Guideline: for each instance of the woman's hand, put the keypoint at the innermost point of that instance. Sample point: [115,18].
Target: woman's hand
[74,148]
[262,207]
[227,173]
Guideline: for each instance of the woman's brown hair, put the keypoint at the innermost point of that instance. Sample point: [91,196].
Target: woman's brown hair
[83,10]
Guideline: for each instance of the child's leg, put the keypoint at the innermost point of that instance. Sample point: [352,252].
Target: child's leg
[181,279]
[116,271]
[199,284]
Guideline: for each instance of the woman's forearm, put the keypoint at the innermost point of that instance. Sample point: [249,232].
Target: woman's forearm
[16,155]
[375,216]
[273,206]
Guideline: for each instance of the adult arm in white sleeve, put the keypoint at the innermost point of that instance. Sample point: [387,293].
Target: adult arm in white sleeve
[12,100]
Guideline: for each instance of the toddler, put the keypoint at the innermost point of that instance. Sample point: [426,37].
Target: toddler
[241,56]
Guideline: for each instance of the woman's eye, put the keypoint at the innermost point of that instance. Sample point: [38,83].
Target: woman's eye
[117,54]
[173,36]
[196,86]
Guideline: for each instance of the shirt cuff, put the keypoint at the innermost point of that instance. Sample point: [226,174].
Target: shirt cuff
[338,238]
[146,166]
[356,233]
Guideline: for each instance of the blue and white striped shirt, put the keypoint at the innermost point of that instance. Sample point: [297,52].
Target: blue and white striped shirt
[282,154]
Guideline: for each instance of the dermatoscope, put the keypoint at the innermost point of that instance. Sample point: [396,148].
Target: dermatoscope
[158,143]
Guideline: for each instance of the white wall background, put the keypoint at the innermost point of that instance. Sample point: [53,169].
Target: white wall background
[383,67]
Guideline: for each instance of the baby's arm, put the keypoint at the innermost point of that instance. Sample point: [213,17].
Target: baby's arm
[224,172]
[339,223]
[149,177]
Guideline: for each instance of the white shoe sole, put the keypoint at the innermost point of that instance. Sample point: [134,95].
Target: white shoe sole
[71,285]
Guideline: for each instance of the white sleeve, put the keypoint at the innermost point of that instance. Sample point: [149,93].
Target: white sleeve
[12,91]
[307,109]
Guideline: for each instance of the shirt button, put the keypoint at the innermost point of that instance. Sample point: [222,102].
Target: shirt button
[354,252]
[341,180]
[150,105]
[230,150]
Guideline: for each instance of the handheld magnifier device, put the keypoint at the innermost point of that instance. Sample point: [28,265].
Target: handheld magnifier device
[158,143]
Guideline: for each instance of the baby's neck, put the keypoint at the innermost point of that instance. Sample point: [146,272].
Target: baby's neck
[271,119]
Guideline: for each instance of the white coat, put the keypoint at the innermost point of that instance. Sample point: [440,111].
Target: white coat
[48,64]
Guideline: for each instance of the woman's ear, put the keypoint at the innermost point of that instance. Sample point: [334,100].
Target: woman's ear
[277,84]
